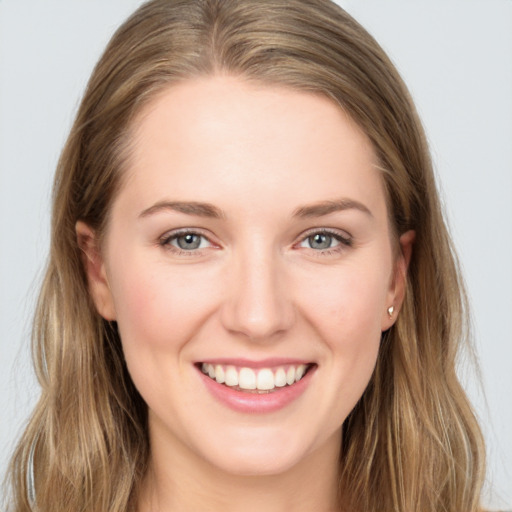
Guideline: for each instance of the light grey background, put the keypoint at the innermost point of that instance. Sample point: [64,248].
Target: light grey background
[456,56]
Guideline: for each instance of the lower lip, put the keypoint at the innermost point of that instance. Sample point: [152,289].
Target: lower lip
[253,403]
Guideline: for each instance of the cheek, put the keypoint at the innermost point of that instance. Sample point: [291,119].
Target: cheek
[158,307]
[158,312]
[350,304]
[347,317]
[353,331]
[353,341]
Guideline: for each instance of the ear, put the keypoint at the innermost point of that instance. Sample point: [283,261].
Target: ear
[95,270]
[399,280]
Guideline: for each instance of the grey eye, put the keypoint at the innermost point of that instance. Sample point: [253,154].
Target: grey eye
[188,242]
[320,241]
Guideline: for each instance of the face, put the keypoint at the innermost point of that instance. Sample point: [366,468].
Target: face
[249,264]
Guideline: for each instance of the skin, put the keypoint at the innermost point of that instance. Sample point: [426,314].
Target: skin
[256,288]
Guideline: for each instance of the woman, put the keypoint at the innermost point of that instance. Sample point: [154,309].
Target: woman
[252,300]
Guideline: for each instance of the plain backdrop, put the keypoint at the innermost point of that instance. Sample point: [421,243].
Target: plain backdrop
[456,57]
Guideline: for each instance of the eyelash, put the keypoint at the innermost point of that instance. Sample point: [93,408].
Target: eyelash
[165,241]
[344,242]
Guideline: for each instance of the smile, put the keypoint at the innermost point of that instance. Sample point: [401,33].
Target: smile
[261,380]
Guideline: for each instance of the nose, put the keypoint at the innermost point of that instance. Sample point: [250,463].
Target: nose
[257,302]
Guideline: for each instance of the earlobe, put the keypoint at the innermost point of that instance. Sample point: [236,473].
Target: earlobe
[399,281]
[95,270]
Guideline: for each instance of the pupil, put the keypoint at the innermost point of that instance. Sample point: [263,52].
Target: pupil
[188,242]
[320,241]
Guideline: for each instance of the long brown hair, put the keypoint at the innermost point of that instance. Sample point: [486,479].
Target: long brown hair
[412,442]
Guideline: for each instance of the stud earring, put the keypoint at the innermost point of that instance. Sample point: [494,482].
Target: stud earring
[391,309]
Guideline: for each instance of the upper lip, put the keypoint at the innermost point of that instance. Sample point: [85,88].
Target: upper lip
[261,363]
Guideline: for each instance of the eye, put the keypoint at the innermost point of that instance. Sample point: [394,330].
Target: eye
[325,241]
[320,241]
[188,242]
[185,241]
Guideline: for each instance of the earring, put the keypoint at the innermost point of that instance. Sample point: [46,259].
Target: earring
[391,309]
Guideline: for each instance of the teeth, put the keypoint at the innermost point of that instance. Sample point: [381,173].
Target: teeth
[264,379]
[231,376]
[299,373]
[247,379]
[290,376]
[280,378]
[219,374]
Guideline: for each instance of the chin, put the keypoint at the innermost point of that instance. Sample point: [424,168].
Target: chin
[258,455]
[255,465]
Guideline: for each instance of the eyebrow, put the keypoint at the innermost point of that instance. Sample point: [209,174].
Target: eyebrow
[187,207]
[210,211]
[327,207]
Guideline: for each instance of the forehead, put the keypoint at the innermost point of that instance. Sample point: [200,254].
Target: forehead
[222,137]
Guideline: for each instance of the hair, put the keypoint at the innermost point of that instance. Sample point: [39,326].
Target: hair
[412,442]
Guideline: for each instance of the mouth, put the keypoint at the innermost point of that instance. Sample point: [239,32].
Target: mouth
[262,380]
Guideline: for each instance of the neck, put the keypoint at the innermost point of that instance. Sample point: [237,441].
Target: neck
[180,480]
